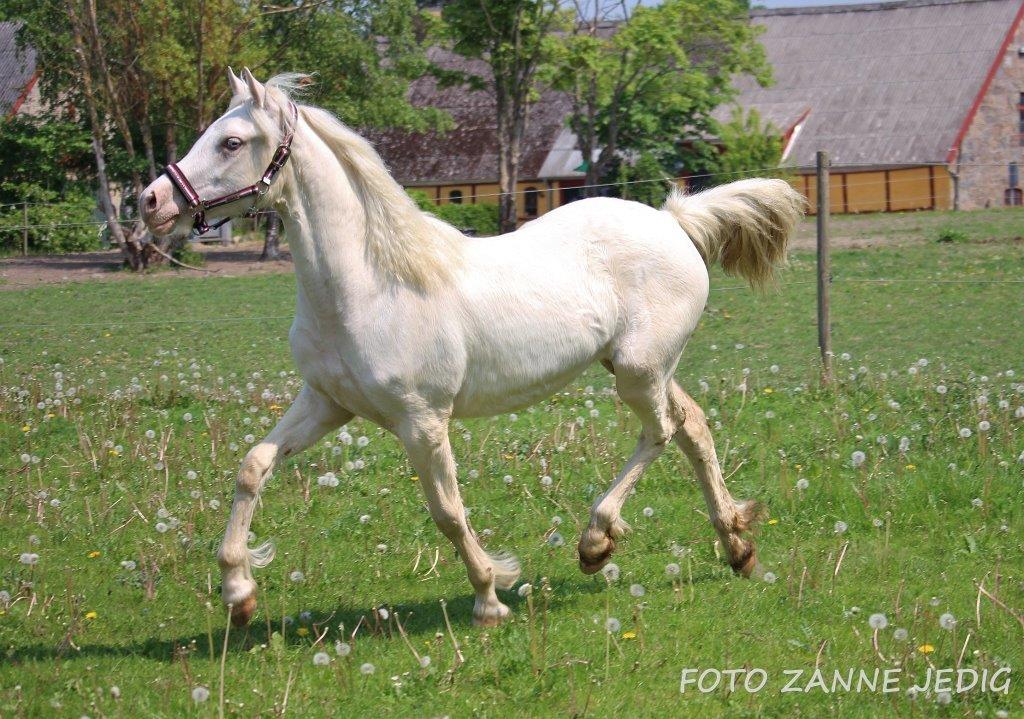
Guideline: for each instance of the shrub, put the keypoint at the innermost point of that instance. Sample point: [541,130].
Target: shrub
[480,219]
[68,226]
[952,234]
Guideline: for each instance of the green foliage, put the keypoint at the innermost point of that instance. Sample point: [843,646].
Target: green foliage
[951,234]
[653,85]
[748,147]
[189,255]
[69,225]
[43,159]
[479,219]
[643,180]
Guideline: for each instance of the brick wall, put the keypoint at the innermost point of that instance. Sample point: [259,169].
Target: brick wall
[993,137]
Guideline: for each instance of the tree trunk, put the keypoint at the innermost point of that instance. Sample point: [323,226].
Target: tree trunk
[508,162]
[271,247]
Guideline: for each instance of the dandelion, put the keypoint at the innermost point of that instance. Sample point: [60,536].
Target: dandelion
[672,569]
[611,572]
[840,527]
[364,519]
[774,369]
[362,441]
[94,553]
[900,634]
[525,590]
[191,475]
[29,558]
[877,523]
[648,512]
[297,576]
[507,479]
[769,577]
[161,527]
[857,458]
[612,625]
[26,458]
[214,504]
[90,615]
[200,694]
[383,613]
[321,659]
[943,698]
[424,661]
[941,389]
[115,692]
[878,621]
[984,426]
[367,669]
[556,540]
[926,649]
[150,434]
[976,502]
[637,590]
[965,432]
[128,565]
[342,649]
[802,484]
[947,621]
[546,480]
[904,444]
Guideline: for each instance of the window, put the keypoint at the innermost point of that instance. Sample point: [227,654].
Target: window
[1014,175]
[455,197]
[1020,119]
[531,199]
[1013,197]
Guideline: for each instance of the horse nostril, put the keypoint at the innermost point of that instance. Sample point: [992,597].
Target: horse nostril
[150,201]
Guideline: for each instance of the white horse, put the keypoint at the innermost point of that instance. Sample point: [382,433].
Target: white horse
[406,322]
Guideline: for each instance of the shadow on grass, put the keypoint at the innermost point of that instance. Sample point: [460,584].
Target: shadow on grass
[422,619]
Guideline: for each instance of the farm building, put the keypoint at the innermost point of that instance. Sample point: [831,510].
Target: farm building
[920,104]
[19,89]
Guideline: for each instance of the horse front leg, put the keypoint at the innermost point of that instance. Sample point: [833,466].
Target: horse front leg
[310,417]
[426,441]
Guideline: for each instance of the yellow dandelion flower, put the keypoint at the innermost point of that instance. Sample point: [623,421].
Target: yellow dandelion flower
[911,467]
[114,453]
[93,554]
[302,631]
[629,635]
[768,390]
[106,334]
[798,467]
[773,521]
[926,649]
[91,615]
[50,415]
[414,478]
[25,428]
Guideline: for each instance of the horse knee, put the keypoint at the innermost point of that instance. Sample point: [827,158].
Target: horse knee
[254,469]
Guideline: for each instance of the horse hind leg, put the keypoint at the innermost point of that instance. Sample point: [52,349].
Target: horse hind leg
[644,392]
[729,517]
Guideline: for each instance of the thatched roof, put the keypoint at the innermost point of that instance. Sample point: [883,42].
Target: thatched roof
[469,152]
[17,68]
[884,83]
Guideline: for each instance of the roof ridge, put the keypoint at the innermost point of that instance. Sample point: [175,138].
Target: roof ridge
[861,7]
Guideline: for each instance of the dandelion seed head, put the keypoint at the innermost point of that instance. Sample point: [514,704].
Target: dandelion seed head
[637,590]
[424,661]
[947,621]
[367,669]
[802,483]
[965,432]
[612,625]
[840,527]
[648,512]
[769,577]
[297,576]
[857,458]
[672,569]
[525,589]
[321,659]
[556,540]
[200,694]
[900,634]
[342,649]
[878,621]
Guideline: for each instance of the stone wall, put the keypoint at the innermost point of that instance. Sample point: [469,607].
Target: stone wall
[993,138]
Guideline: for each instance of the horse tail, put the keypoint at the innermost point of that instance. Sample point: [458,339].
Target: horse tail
[745,225]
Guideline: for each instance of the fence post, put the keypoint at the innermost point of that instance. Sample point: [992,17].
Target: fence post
[24,230]
[824,268]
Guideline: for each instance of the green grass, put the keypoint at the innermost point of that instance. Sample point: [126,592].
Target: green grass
[158,629]
[1000,224]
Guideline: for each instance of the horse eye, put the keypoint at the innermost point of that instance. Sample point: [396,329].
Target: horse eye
[232,143]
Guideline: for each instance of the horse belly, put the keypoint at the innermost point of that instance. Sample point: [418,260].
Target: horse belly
[521,359]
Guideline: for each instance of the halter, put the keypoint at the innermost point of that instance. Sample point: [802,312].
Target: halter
[199,207]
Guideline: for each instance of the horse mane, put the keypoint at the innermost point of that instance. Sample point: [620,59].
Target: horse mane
[403,241]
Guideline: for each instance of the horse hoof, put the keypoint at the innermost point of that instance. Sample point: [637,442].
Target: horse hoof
[242,612]
[747,565]
[490,615]
[592,563]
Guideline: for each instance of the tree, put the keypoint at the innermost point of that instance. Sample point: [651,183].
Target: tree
[748,147]
[149,75]
[645,81]
[515,39]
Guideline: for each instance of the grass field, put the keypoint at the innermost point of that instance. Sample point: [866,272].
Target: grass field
[125,409]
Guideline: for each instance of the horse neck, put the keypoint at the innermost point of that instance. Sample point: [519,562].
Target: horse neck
[326,226]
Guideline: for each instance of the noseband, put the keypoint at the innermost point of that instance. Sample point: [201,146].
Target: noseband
[199,207]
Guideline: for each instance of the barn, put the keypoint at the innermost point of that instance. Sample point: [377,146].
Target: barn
[920,104]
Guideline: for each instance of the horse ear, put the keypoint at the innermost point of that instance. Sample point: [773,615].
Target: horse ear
[256,89]
[235,83]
